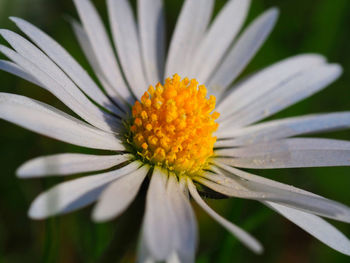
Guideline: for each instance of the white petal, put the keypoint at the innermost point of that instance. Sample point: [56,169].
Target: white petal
[75,194]
[234,182]
[14,69]
[152,36]
[115,199]
[158,228]
[190,27]
[67,63]
[296,152]
[293,159]
[87,48]
[243,236]
[244,49]
[284,145]
[143,252]
[102,47]
[217,40]
[33,61]
[315,226]
[283,128]
[174,258]
[294,90]
[265,81]
[185,221]
[48,121]
[223,179]
[126,40]
[68,163]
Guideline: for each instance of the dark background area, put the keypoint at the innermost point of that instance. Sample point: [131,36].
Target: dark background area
[317,26]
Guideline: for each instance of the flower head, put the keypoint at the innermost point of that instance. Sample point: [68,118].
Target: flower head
[173,126]
[172,133]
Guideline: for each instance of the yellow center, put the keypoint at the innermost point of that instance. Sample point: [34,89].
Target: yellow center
[173,125]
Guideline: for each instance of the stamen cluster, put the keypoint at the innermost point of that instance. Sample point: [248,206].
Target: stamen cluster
[173,125]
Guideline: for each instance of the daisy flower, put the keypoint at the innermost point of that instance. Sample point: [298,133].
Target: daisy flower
[182,123]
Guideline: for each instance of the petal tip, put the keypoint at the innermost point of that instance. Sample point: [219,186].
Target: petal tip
[274,11]
[15,19]
[3,31]
[20,173]
[35,214]
[338,68]
[272,15]
[259,249]
[98,217]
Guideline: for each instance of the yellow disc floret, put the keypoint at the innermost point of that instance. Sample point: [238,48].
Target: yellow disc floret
[173,125]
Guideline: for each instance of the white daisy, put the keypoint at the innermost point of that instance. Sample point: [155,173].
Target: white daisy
[172,133]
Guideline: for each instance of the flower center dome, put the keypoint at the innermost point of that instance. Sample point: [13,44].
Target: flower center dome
[173,125]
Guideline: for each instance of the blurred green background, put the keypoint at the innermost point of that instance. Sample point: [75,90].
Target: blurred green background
[318,26]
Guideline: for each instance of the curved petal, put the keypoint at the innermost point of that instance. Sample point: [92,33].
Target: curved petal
[284,128]
[88,51]
[152,36]
[293,159]
[287,153]
[33,61]
[67,63]
[190,27]
[48,121]
[293,90]
[185,221]
[234,182]
[217,40]
[243,50]
[159,229]
[143,253]
[115,199]
[14,69]
[315,226]
[243,236]
[262,83]
[69,163]
[86,46]
[126,40]
[289,144]
[174,258]
[102,47]
[72,195]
